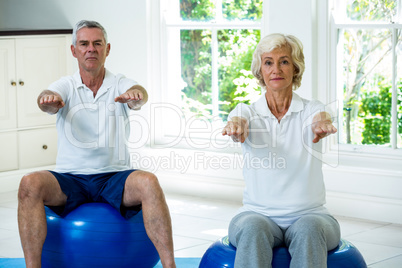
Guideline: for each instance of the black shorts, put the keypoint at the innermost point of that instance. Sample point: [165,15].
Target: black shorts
[102,187]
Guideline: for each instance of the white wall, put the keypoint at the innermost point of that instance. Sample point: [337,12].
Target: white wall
[295,17]
[124,20]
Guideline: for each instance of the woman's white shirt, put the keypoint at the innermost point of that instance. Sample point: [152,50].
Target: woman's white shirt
[282,168]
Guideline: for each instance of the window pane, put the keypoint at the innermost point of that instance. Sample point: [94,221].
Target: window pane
[196,71]
[371,10]
[242,10]
[236,83]
[197,10]
[367,86]
[214,59]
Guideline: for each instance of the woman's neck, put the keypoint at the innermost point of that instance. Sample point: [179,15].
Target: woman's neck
[279,102]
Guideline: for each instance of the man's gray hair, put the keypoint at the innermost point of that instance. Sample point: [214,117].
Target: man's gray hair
[87,24]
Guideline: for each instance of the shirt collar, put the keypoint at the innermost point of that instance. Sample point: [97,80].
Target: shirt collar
[77,79]
[296,105]
[107,81]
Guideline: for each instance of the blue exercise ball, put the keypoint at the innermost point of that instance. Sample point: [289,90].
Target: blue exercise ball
[221,254]
[96,235]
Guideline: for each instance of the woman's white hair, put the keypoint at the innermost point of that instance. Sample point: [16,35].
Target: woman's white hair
[278,40]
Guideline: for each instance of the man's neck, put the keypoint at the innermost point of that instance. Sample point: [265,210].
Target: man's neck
[93,80]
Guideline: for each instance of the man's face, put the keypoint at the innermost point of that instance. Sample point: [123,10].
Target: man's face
[91,49]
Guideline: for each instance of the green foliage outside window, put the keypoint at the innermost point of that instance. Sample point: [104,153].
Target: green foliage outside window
[375,112]
[197,10]
[236,82]
[371,10]
[242,9]
[235,48]
[196,64]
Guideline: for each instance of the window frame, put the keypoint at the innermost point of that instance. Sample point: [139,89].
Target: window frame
[365,151]
[164,139]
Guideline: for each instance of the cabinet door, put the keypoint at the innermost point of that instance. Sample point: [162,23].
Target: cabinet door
[37,147]
[9,152]
[40,61]
[8,107]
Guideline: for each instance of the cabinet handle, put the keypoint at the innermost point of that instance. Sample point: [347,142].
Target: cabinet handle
[44,147]
[21,83]
[13,83]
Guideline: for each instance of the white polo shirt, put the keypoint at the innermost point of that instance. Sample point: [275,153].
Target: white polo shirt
[282,173]
[92,131]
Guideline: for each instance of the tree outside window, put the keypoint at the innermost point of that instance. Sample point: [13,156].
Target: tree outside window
[369,75]
[210,46]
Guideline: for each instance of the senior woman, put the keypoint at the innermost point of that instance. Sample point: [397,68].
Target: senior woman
[284,197]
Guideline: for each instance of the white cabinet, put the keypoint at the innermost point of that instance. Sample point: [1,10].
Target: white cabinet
[8,96]
[39,62]
[9,150]
[37,147]
[28,64]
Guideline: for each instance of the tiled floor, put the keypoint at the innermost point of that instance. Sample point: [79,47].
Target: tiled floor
[198,222]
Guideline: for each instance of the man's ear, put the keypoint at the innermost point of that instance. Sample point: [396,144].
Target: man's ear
[73,51]
[107,49]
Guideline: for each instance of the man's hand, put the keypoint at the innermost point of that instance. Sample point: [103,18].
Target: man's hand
[237,129]
[50,102]
[135,97]
[322,126]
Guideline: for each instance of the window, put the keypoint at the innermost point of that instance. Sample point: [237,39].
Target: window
[369,72]
[208,46]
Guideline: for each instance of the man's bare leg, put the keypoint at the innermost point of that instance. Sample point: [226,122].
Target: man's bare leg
[36,189]
[143,188]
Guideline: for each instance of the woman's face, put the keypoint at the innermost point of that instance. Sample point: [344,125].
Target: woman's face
[277,69]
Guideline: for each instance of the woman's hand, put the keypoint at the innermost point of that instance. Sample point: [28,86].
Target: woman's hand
[237,129]
[322,126]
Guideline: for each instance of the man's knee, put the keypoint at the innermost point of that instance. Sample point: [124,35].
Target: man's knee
[144,179]
[31,186]
[142,185]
